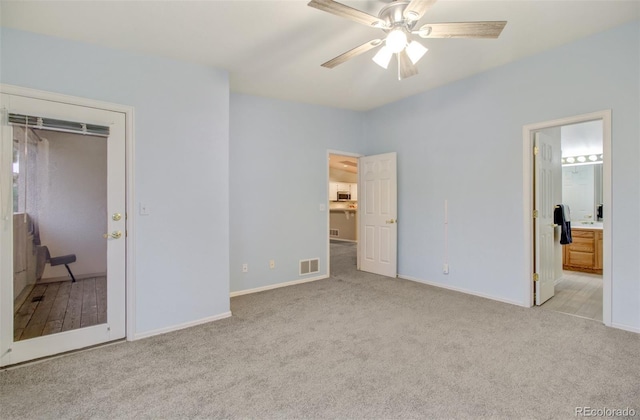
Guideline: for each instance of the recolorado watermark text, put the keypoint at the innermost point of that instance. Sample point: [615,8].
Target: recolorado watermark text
[605,412]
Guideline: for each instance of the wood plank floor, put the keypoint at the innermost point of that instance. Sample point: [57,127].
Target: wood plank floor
[578,294]
[54,307]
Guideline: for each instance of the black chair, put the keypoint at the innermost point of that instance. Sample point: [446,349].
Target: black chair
[63,259]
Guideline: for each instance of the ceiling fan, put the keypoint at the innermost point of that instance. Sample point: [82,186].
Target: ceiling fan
[398,20]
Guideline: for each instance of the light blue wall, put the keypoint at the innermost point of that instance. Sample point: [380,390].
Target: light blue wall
[181,163]
[279,173]
[463,143]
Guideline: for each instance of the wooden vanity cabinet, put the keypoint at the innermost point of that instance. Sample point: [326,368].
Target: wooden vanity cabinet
[599,250]
[585,253]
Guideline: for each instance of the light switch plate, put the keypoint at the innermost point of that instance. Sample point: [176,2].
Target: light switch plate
[144,209]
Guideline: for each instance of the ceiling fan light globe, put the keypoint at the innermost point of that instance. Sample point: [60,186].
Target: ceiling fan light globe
[396,40]
[415,51]
[383,57]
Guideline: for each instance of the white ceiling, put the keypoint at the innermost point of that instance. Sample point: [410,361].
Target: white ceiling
[344,163]
[275,48]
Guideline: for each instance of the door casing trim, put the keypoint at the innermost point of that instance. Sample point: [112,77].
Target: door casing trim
[130,309]
[527,204]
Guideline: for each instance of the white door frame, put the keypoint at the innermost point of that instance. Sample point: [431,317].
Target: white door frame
[350,154]
[130,174]
[527,188]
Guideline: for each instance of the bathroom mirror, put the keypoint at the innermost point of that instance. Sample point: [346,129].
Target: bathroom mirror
[582,191]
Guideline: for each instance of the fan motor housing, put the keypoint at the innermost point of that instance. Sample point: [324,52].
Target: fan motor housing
[392,15]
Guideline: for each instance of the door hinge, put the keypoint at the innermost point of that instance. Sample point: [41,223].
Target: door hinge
[535,214]
[535,150]
[536,277]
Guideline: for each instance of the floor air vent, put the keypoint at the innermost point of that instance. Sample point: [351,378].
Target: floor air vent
[309,266]
[334,232]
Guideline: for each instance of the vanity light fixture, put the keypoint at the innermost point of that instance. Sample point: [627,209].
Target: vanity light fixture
[582,160]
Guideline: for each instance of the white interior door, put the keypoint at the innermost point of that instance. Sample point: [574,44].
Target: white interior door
[378,206]
[543,223]
[110,326]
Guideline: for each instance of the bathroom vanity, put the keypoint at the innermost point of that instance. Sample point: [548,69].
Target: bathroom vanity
[585,253]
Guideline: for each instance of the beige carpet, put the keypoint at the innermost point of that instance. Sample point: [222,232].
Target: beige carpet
[352,346]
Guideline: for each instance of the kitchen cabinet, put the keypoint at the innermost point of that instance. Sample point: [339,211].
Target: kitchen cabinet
[333,191]
[353,188]
[585,253]
[343,186]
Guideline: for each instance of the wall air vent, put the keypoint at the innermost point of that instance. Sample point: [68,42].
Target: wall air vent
[309,266]
[334,232]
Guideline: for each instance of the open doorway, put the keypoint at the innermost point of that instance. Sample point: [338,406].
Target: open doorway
[579,285]
[343,212]
[571,198]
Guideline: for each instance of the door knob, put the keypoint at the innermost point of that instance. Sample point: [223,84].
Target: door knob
[116,234]
[391,221]
[116,216]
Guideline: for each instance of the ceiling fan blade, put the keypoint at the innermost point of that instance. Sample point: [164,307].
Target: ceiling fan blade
[405,67]
[344,11]
[417,8]
[462,30]
[352,53]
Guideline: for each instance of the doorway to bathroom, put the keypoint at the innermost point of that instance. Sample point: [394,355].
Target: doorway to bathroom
[578,287]
[571,202]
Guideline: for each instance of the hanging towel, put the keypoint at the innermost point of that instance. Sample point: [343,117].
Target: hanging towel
[562,217]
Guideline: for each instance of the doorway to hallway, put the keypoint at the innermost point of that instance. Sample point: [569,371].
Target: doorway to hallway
[343,209]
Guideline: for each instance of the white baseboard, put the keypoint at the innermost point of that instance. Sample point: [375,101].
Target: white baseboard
[180,326]
[462,290]
[277,286]
[626,327]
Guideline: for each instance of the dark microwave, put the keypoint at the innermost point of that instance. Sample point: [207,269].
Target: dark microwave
[344,196]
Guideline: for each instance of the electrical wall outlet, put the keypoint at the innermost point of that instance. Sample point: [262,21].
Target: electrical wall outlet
[272,264]
[245,268]
[445,269]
